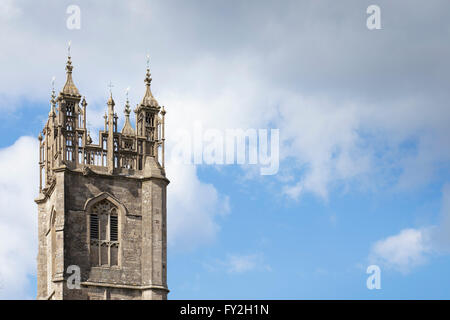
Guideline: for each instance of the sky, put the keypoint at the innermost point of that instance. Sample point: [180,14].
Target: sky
[363,120]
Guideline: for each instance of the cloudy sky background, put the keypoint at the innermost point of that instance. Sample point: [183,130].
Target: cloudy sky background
[364,137]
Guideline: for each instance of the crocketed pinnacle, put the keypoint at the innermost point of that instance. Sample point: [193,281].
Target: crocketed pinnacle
[149,100]
[127,127]
[69,87]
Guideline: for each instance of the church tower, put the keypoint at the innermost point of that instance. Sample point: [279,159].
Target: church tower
[102,207]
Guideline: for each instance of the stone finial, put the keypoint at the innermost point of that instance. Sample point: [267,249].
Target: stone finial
[149,100]
[69,87]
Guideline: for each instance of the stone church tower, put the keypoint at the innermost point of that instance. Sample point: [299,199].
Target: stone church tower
[102,207]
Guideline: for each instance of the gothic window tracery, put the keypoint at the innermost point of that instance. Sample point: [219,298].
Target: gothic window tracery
[104,234]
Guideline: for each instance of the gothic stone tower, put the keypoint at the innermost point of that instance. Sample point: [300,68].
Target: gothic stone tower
[102,207]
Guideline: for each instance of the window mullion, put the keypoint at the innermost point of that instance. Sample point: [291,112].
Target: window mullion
[109,239]
[99,242]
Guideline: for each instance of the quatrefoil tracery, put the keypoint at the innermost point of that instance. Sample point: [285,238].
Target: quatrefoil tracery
[104,207]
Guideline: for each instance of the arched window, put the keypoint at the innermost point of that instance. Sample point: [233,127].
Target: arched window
[104,234]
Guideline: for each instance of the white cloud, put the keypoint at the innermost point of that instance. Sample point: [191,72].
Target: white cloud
[19,183]
[403,251]
[344,114]
[293,191]
[193,208]
[413,247]
[322,138]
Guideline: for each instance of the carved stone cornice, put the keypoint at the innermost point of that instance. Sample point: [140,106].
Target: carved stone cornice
[125,286]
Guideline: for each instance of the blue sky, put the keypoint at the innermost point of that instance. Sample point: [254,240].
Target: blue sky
[363,120]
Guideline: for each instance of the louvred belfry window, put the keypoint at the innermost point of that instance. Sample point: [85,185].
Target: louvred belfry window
[104,234]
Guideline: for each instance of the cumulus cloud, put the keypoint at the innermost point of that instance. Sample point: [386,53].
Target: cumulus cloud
[193,208]
[413,247]
[354,107]
[322,138]
[403,251]
[346,99]
[19,183]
